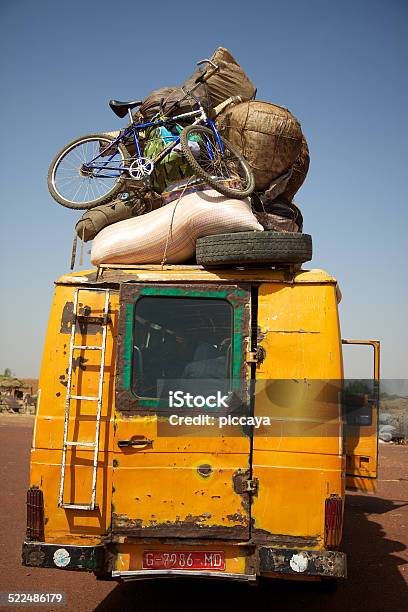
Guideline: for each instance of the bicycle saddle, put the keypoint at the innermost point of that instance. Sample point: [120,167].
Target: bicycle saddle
[121,108]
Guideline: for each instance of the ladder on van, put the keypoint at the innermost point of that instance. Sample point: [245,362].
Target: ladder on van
[103,321]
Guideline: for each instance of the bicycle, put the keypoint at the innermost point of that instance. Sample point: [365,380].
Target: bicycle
[93,169]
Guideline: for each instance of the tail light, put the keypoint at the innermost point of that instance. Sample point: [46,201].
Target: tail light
[333,520]
[35,514]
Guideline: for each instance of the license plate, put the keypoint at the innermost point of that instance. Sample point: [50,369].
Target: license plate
[184,560]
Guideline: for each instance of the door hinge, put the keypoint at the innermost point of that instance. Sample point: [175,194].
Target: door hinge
[256,356]
[251,486]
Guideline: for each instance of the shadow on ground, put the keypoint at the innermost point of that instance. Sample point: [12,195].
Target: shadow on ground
[374,583]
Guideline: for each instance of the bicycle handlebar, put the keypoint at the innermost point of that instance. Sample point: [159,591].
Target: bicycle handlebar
[206,75]
[207,61]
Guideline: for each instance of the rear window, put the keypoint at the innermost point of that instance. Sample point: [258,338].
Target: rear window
[180,340]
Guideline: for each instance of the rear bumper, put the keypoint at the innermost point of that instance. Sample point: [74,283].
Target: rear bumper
[266,559]
[325,563]
[145,574]
[63,556]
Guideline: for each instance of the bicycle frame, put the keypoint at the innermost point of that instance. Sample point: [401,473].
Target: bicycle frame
[133,128]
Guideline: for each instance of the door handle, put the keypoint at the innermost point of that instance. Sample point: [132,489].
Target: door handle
[132,442]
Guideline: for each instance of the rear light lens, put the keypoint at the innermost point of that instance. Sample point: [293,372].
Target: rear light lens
[35,514]
[333,520]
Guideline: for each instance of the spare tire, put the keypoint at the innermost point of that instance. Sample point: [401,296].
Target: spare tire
[253,247]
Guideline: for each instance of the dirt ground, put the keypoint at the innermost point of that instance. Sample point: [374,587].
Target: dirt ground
[375,540]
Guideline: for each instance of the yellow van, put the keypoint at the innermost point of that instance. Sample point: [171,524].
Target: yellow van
[134,474]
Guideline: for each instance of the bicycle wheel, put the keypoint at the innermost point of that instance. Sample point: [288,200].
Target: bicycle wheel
[227,171]
[74,185]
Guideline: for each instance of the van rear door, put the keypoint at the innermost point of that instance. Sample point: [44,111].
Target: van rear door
[185,479]
[361,407]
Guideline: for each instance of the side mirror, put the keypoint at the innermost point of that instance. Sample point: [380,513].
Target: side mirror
[357,408]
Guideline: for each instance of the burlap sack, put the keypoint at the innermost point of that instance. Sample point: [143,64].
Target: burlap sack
[230,80]
[276,223]
[165,97]
[171,232]
[92,221]
[269,137]
[299,171]
[279,215]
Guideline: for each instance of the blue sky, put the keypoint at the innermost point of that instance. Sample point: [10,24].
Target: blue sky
[338,66]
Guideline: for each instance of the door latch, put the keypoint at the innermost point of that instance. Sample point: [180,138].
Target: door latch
[251,486]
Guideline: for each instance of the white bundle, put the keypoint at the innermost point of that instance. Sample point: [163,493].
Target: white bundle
[172,231]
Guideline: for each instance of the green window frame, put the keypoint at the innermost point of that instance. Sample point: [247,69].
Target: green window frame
[237,296]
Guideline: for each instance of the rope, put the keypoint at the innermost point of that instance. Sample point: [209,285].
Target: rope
[81,252]
[73,251]
[169,233]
